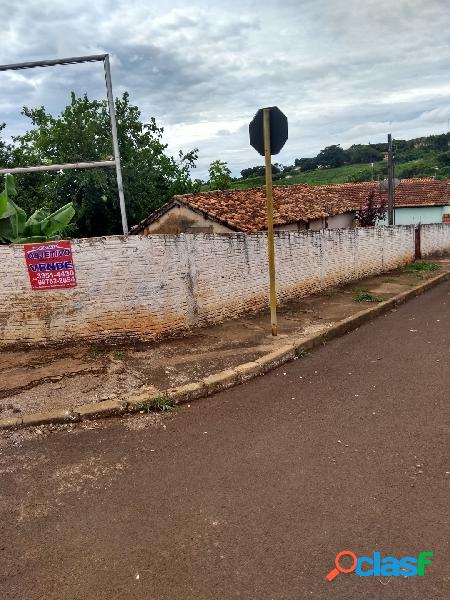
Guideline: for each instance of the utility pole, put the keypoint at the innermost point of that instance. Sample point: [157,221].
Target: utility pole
[390,173]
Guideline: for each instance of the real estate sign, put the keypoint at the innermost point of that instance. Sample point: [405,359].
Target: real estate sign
[50,265]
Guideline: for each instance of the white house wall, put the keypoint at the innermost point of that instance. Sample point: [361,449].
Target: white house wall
[418,214]
[181,219]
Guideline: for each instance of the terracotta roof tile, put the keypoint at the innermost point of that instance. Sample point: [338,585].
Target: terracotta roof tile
[245,210]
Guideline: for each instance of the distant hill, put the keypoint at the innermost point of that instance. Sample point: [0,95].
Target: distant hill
[419,157]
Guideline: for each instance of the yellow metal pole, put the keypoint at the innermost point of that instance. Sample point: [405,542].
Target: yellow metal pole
[270,242]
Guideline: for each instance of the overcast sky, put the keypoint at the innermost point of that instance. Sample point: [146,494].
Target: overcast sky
[344,71]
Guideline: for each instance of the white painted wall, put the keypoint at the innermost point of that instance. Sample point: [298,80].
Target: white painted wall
[435,239]
[147,287]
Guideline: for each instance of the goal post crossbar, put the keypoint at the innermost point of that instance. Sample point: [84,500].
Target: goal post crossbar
[112,115]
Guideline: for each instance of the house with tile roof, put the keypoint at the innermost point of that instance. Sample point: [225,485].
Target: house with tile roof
[296,208]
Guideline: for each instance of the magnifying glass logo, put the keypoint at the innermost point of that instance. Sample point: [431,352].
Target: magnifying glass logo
[339,568]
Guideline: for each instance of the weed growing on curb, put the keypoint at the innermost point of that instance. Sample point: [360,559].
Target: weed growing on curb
[421,267]
[301,353]
[365,296]
[159,404]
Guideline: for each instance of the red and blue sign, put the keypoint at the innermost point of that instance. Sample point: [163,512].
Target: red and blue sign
[50,265]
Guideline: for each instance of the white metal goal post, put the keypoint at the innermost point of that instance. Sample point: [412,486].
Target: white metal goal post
[115,162]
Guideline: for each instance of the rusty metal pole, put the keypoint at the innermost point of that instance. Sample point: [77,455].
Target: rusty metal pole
[270,240]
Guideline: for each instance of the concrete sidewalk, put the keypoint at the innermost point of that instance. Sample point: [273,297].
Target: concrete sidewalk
[60,383]
[249,494]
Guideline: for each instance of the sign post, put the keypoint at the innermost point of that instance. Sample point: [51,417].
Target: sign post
[270,240]
[268,134]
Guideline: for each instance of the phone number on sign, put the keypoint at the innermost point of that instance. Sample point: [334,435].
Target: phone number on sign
[50,279]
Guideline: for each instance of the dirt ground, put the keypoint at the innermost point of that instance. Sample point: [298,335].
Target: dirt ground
[42,379]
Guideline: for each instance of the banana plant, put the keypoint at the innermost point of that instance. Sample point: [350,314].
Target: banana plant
[41,226]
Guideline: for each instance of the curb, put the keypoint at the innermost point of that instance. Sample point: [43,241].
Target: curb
[223,379]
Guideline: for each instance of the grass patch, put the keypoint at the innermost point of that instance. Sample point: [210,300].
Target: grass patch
[428,165]
[365,296]
[159,404]
[421,267]
[120,354]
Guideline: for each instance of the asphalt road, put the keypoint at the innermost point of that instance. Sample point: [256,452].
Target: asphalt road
[249,494]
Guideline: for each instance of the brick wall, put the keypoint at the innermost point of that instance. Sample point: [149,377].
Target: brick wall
[435,238]
[156,286]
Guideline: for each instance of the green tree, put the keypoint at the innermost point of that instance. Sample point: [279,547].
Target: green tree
[260,171]
[5,149]
[257,171]
[219,175]
[444,159]
[360,153]
[331,156]
[82,133]
[306,164]
[438,142]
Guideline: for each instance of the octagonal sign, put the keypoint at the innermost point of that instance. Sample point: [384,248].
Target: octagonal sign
[278,130]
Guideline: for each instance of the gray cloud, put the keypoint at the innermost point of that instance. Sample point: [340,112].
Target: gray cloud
[344,71]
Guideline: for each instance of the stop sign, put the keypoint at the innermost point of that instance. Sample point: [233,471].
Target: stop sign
[278,130]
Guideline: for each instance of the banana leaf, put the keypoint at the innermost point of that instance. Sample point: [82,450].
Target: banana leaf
[17,219]
[39,227]
[33,226]
[10,185]
[12,222]
[41,223]
[3,203]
